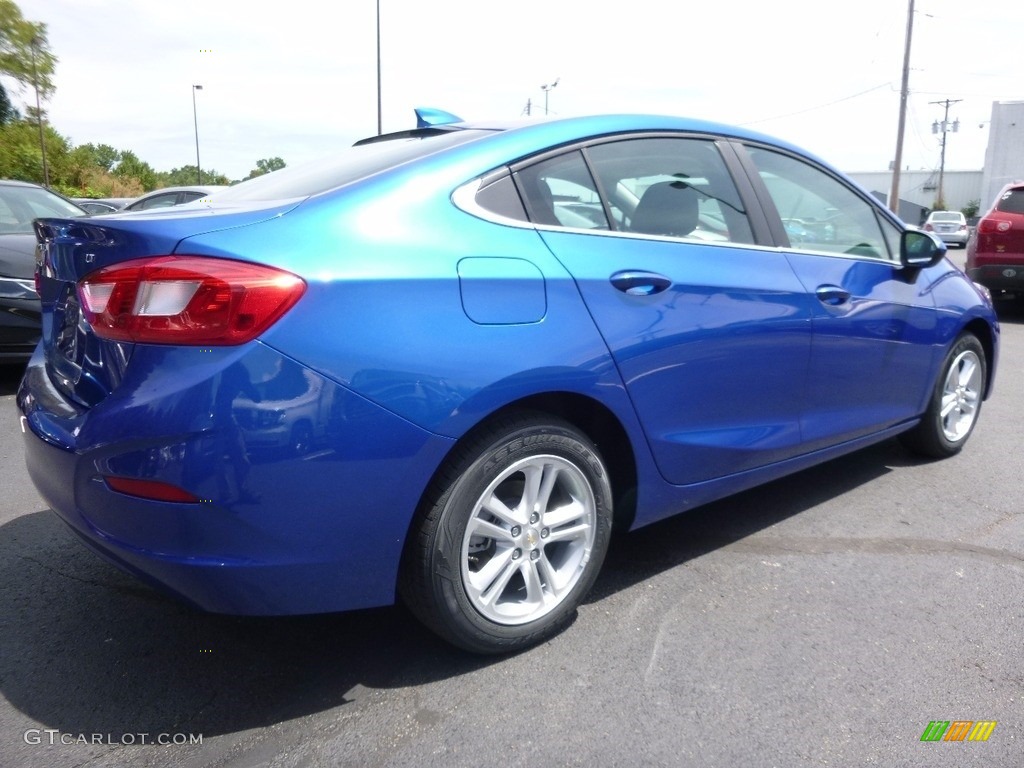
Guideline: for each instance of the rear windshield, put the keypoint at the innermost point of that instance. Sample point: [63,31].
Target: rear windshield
[1012,201]
[351,164]
[945,216]
[20,205]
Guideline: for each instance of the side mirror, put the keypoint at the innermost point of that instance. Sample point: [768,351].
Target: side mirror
[920,249]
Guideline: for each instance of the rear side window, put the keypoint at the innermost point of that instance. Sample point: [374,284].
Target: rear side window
[157,201]
[673,187]
[668,187]
[500,196]
[1012,201]
[560,192]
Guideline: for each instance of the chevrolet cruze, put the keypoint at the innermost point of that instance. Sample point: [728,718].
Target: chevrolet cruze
[507,341]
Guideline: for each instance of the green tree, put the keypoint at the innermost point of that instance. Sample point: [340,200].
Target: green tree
[21,158]
[99,155]
[23,43]
[131,167]
[187,175]
[8,113]
[266,165]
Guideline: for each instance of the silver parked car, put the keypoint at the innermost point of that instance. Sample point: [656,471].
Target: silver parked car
[171,196]
[951,226]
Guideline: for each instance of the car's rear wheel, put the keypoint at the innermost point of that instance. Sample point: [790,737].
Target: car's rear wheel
[955,403]
[511,535]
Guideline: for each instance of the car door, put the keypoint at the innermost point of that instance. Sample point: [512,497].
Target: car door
[873,320]
[710,332]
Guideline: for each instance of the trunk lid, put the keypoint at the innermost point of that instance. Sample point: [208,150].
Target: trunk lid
[84,367]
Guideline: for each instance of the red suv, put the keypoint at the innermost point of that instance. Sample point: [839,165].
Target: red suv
[995,254]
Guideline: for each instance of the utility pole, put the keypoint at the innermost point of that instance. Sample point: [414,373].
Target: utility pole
[894,192]
[529,106]
[944,127]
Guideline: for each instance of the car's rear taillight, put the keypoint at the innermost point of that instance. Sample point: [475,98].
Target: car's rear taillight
[928,227]
[192,300]
[990,226]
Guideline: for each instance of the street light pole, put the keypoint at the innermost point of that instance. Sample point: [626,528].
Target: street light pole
[379,131]
[195,122]
[546,89]
[39,113]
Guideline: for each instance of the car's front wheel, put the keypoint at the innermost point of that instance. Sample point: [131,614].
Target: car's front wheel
[955,403]
[511,535]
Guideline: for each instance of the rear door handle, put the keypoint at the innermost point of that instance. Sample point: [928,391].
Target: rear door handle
[640,283]
[832,295]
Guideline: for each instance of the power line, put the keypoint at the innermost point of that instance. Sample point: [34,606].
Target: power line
[819,106]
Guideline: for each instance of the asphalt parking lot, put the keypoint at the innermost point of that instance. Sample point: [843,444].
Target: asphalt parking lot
[825,619]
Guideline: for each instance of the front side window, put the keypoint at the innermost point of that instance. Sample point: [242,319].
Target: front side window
[819,212]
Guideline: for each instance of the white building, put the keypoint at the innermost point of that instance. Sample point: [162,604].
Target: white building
[1004,156]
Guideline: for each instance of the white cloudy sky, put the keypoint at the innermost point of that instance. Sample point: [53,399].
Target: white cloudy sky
[297,78]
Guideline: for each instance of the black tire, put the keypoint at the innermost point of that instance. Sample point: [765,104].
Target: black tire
[507,576]
[959,392]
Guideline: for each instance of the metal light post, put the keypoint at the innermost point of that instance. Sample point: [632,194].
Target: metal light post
[39,113]
[195,122]
[378,70]
[546,89]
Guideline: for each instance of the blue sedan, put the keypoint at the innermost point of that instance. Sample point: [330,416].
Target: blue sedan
[444,365]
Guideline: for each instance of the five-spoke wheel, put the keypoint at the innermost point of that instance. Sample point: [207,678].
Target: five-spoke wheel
[955,402]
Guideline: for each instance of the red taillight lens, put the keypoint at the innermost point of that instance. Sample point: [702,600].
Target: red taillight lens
[991,225]
[927,227]
[192,300]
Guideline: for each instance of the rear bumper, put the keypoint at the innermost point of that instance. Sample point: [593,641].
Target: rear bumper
[1000,277]
[954,238]
[274,535]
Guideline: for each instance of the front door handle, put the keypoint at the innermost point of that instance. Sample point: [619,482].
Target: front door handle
[640,283]
[832,295]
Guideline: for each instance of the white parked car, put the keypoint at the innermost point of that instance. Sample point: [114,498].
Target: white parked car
[951,226]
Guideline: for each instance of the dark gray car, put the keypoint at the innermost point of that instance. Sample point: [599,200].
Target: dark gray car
[20,204]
